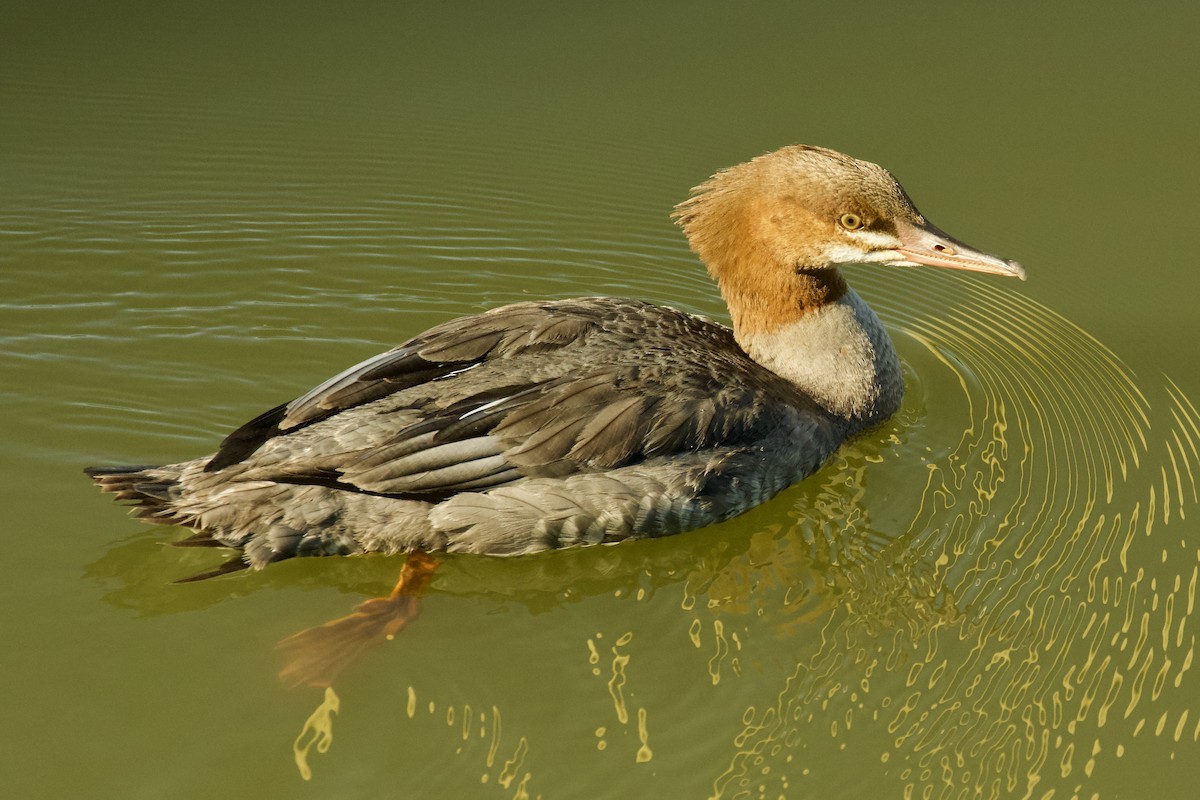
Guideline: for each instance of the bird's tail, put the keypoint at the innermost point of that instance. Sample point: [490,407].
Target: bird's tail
[153,492]
[149,490]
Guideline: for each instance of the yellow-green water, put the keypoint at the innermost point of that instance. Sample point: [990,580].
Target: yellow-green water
[205,210]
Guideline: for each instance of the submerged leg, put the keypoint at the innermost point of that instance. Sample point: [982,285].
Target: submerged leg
[316,656]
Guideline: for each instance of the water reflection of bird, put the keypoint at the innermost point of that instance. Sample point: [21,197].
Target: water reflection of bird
[551,424]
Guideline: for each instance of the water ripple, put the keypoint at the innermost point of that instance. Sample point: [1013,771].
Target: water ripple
[1005,636]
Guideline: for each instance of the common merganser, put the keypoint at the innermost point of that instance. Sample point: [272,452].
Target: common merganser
[551,424]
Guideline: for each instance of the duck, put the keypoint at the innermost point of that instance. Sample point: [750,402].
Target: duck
[562,423]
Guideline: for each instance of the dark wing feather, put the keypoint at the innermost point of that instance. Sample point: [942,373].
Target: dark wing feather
[608,401]
[440,352]
[248,438]
[607,418]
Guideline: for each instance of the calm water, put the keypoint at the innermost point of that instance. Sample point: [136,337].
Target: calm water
[205,210]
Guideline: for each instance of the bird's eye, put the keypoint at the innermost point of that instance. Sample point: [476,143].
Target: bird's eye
[851,222]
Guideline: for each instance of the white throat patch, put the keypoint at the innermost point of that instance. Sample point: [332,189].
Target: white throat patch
[838,353]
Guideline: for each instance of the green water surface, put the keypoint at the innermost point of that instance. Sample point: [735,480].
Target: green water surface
[206,209]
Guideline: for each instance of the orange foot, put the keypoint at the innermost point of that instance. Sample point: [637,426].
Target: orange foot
[318,655]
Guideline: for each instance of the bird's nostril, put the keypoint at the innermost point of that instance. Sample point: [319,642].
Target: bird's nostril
[941,248]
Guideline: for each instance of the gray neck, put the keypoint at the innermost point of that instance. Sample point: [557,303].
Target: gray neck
[840,354]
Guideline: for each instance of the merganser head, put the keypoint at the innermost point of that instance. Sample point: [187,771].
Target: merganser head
[805,210]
